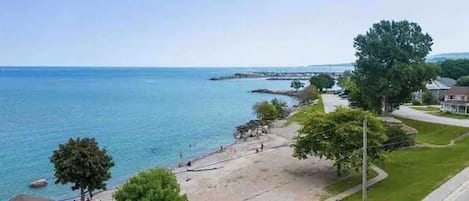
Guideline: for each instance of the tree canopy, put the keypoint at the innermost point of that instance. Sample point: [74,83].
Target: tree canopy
[270,110]
[338,136]
[463,81]
[82,163]
[280,106]
[308,94]
[455,68]
[391,64]
[152,185]
[322,81]
[297,84]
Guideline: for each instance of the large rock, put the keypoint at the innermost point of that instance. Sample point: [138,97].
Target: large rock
[38,183]
[253,128]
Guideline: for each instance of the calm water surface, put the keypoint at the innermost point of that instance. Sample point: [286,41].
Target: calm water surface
[142,116]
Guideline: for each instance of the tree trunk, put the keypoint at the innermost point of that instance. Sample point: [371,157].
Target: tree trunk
[82,194]
[387,107]
[339,170]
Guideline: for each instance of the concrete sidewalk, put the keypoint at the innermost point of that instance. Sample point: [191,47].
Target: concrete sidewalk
[455,189]
[381,175]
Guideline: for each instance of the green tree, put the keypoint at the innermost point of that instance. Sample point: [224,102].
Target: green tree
[391,64]
[346,82]
[296,84]
[338,136]
[308,94]
[427,98]
[455,68]
[266,111]
[463,81]
[82,163]
[322,81]
[157,184]
[280,106]
[397,138]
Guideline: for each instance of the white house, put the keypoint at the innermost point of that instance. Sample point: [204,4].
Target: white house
[456,100]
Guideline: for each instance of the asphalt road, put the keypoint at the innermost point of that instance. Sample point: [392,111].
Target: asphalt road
[331,102]
[407,112]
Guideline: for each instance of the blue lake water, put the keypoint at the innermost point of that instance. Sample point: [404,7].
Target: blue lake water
[143,116]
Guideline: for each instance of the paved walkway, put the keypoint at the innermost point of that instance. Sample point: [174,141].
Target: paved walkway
[381,175]
[331,102]
[410,113]
[455,189]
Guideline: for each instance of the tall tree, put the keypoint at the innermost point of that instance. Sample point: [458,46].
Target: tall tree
[322,81]
[338,136]
[455,68]
[296,84]
[391,64]
[82,163]
[151,185]
[463,81]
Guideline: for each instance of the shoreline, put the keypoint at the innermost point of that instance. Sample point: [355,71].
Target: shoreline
[176,169]
[204,180]
[184,167]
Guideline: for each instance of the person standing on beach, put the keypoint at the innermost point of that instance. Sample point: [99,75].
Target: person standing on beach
[262,146]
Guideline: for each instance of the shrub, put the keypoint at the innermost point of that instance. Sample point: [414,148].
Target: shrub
[266,111]
[280,106]
[397,138]
[157,184]
[309,94]
[416,102]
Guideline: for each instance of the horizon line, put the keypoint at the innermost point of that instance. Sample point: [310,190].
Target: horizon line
[122,66]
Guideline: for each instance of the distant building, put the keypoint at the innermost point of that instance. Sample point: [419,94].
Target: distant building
[456,100]
[438,88]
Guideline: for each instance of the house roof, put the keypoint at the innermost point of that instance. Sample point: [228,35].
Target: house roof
[447,81]
[28,198]
[459,91]
[436,85]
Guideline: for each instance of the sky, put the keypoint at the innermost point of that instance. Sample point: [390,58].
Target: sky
[204,33]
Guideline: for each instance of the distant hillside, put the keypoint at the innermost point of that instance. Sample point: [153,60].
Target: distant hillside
[438,58]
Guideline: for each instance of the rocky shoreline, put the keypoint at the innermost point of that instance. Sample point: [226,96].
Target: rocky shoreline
[253,128]
[274,75]
[288,78]
[238,76]
[291,93]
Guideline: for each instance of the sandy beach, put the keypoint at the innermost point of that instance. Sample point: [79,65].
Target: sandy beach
[238,173]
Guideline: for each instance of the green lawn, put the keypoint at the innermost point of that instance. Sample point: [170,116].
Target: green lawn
[426,108]
[303,113]
[434,133]
[344,183]
[415,172]
[451,115]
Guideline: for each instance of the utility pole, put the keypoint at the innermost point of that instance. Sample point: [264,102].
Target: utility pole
[364,181]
